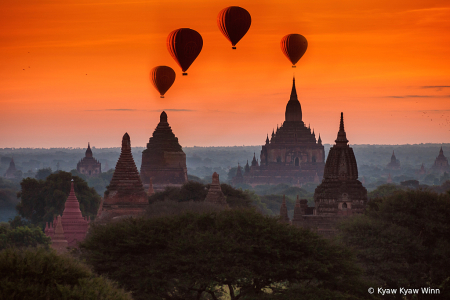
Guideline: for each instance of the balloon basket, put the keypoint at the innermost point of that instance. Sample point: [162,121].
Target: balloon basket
[293,66]
[162,96]
[234,48]
[184,74]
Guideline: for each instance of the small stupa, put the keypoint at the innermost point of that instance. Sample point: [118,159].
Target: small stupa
[283,212]
[215,194]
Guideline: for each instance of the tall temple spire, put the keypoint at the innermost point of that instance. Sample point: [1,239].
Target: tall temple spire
[319,141]
[293,108]
[341,137]
[89,151]
[267,139]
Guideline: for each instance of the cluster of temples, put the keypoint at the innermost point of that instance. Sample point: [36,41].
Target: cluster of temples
[292,155]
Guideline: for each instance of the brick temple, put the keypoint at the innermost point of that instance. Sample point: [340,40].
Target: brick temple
[394,164]
[89,166]
[340,194]
[73,225]
[440,164]
[215,194]
[164,160]
[11,171]
[125,195]
[293,155]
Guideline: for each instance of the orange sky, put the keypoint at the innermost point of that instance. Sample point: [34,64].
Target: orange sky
[73,72]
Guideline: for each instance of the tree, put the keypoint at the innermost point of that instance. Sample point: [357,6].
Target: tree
[40,274]
[384,190]
[22,236]
[42,200]
[239,253]
[196,191]
[42,174]
[403,240]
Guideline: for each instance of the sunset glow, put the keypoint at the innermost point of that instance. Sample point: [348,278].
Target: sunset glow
[73,72]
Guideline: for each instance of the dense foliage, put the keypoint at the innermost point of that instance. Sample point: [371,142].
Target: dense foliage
[41,274]
[203,256]
[42,200]
[403,240]
[22,236]
[196,191]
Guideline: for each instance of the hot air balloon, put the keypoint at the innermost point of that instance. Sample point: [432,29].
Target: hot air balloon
[234,22]
[162,78]
[184,45]
[294,46]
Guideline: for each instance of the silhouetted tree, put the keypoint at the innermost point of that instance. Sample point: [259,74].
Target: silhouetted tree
[42,200]
[403,240]
[40,274]
[41,174]
[194,256]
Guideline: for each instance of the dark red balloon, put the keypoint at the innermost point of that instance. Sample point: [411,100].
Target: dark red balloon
[294,46]
[162,78]
[184,45]
[234,22]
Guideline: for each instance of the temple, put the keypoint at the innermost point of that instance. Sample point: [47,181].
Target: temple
[394,163]
[292,155]
[215,194]
[440,164]
[73,225]
[125,195]
[164,160]
[89,166]
[340,193]
[11,171]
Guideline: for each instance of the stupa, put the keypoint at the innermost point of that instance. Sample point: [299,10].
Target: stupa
[59,241]
[283,212]
[394,164]
[11,171]
[89,166]
[340,191]
[215,194]
[440,164]
[164,160]
[74,225]
[340,194]
[125,194]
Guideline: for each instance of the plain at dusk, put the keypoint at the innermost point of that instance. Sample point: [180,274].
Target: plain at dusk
[73,72]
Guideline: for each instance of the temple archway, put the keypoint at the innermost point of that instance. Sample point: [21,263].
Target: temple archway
[297,162]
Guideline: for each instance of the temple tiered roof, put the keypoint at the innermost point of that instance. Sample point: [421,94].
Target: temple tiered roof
[125,186]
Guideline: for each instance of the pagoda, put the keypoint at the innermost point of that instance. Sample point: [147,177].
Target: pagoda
[89,166]
[59,241]
[293,155]
[440,164]
[340,191]
[11,171]
[164,160]
[215,194]
[394,164]
[125,194]
[74,225]
[284,218]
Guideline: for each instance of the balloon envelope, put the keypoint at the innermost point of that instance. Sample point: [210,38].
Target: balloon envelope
[294,46]
[234,22]
[184,45]
[162,78]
